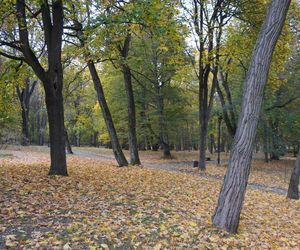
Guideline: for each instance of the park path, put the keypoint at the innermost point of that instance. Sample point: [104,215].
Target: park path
[177,167]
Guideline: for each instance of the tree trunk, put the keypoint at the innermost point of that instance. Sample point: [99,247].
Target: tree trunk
[212,143]
[51,76]
[232,111]
[24,95]
[219,138]
[55,110]
[228,122]
[25,126]
[95,139]
[293,191]
[42,128]
[163,136]
[132,139]
[231,197]
[68,144]
[117,150]
[265,142]
[202,140]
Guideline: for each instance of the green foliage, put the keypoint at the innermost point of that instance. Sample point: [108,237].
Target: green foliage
[9,108]
[162,62]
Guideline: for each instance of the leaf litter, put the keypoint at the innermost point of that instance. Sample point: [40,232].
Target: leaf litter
[101,206]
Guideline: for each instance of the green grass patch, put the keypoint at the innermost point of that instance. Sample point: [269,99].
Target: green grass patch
[3,155]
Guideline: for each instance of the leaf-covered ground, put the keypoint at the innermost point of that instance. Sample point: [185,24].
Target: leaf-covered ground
[274,174]
[102,206]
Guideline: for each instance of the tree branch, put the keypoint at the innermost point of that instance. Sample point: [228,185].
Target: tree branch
[283,104]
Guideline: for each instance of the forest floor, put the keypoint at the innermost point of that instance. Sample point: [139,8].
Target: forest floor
[102,206]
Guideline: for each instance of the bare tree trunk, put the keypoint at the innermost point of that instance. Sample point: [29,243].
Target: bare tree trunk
[95,139]
[212,143]
[116,147]
[265,142]
[163,136]
[24,95]
[219,138]
[231,197]
[118,153]
[232,111]
[68,144]
[132,138]
[51,77]
[55,112]
[133,146]
[202,138]
[228,122]
[293,191]
[42,128]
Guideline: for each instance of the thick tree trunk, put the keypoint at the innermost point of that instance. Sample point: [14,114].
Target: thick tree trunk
[293,191]
[95,139]
[52,77]
[117,150]
[167,151]
[55,110]
[132,139]
[227,213]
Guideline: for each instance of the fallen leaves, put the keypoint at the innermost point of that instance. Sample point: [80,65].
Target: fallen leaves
[102,206]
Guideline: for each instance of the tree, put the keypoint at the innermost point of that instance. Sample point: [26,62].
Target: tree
[207,19]
[9,107]
[23,47]
[132,138]
[24,95]
[232,193]
[158,49]
[83,28]
[293,191]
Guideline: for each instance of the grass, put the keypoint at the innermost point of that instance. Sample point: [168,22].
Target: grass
[3,155]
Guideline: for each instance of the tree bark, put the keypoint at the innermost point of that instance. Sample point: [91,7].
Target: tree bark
[24,95]
[163,136]
[52,78]
[265,141]
[132,138]
[115,144]
[117,150]
[219,138]
[229,124]
[55,110]
[293,191]
[42,127]
[231,197]
[68,144]
[232,111]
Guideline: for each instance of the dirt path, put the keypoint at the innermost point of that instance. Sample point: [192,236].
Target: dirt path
[177,167]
